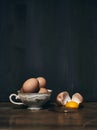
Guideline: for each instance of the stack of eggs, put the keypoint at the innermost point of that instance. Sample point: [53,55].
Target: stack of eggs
[34,85]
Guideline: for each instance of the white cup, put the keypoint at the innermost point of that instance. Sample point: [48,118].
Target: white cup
[32,100]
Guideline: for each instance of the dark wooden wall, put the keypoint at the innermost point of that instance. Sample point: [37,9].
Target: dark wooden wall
[56,39]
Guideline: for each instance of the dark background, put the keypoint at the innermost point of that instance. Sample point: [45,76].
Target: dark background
[56,39]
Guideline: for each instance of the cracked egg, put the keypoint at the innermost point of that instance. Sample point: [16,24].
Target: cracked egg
[64,99]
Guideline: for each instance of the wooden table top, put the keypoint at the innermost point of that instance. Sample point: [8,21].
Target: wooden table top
[13,117]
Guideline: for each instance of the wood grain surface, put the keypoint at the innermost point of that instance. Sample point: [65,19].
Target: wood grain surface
[13,117]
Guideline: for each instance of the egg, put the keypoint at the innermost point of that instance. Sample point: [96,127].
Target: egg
[77,98]
[30,85]
[21,90]
[42,82]
[62,98]
[75,101]
[43,90]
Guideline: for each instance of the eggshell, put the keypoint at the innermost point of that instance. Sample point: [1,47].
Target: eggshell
[30,85]
[42,82]
[63,97]
[77,98]
[43,90]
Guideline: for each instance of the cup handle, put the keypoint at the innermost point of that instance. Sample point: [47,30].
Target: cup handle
[16,97]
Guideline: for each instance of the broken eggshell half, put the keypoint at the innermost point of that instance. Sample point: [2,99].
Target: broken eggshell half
[62,98]
[78,98]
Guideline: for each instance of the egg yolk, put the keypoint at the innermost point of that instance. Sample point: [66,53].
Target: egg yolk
[71,104]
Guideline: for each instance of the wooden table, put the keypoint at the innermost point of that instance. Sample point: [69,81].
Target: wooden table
[13,117]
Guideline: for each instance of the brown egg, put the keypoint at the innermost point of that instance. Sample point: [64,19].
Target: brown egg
[42,82]
[21,90]
[31,85]
[43,90]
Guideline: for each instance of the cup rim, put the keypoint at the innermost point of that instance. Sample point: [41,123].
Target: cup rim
[36,93]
